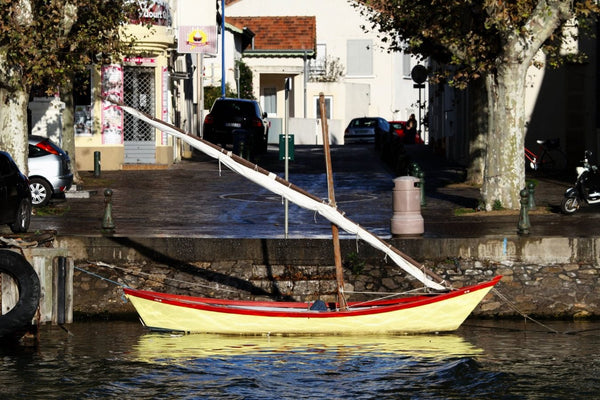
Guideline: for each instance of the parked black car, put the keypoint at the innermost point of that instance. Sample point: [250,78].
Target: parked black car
[233,120]
[15,195]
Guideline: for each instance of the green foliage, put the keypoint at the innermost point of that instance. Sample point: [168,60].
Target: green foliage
[44,43]
[51,210]
[463,211]
[245,81]
[497,206]
[211,93]
[355,263]
[473,36]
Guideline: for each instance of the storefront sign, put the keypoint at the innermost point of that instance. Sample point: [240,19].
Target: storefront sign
[155,12]
[197,39]
[148,61]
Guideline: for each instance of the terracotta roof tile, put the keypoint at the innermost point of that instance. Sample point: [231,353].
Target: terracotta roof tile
[280,33]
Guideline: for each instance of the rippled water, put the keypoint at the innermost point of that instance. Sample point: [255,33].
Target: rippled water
[484,359]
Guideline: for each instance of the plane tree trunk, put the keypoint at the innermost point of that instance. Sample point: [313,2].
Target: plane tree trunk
[504,163]
[478,127]
[13,125]
[504,175]
[68,132]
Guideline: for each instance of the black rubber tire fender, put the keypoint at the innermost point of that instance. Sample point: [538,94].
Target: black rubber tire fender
[18,320]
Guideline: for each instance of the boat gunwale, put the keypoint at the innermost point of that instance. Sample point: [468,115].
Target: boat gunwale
[301,309]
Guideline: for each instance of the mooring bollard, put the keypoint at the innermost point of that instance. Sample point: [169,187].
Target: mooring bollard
[108,226]
[531,190]
[523,226]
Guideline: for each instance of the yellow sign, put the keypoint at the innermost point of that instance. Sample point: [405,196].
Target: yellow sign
[197,39]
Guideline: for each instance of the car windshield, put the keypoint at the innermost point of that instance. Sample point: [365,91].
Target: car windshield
[397,125]
[363,122]
[233,107]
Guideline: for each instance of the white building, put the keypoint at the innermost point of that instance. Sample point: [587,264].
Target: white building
[373,82]
[280,40]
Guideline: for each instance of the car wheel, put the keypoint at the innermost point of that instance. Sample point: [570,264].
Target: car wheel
[40,192]
[22,217]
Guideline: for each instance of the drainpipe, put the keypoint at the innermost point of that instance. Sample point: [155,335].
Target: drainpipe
[223,48]
[305,81]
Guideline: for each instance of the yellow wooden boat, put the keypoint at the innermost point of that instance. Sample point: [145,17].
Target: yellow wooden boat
[440,312]
[442,309]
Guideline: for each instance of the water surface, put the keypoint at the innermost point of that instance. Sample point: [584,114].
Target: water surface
[484,359]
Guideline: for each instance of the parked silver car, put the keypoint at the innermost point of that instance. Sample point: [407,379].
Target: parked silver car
[50,172]
[366,130]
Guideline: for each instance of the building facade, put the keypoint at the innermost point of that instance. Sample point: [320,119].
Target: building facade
[349,66]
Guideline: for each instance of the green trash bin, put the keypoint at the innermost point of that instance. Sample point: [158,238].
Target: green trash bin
[282,147]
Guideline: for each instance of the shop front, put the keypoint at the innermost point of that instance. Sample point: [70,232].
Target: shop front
[138,81]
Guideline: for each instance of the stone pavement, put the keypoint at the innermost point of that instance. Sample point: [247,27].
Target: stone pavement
[200,198]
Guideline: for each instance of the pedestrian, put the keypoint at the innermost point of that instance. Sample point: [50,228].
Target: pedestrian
[411,130]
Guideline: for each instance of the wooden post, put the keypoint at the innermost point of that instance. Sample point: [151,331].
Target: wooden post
[339,271]
[45,262]
[62,290]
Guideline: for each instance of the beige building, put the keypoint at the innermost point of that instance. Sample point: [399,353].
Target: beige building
[140,81]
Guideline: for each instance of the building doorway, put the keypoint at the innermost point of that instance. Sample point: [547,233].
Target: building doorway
[139,137]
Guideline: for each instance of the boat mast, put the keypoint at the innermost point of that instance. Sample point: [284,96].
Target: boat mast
[339,272]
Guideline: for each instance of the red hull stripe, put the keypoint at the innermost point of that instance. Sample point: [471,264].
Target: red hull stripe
[259,307]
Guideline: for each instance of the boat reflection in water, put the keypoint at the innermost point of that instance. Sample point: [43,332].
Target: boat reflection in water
[167,349]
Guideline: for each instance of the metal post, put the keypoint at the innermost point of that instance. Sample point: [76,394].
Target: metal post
[286,155]
[421,177]
[200,89]
[97,156]
[419,121]
[223,48]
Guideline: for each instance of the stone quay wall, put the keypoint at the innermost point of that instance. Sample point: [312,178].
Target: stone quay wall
[553,278]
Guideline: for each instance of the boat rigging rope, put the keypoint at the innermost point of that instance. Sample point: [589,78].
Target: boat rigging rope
[390,295]
[99,276]
[147,275]
[514,307]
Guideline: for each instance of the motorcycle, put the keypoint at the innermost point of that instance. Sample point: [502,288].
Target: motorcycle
[586,188]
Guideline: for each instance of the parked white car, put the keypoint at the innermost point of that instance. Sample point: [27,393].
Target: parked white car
[50,172]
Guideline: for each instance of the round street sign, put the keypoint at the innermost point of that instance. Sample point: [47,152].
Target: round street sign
[419,73]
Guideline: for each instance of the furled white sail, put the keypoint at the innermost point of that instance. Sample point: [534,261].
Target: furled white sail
[286,190]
